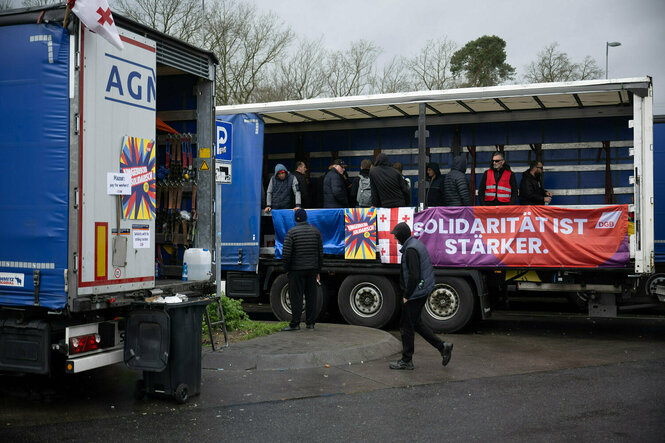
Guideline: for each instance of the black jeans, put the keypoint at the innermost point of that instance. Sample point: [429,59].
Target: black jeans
[410,322]
[303,282]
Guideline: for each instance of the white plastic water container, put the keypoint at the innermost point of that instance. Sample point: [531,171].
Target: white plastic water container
[199,264]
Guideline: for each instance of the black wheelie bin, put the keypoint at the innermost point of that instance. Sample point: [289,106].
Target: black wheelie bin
[164,341]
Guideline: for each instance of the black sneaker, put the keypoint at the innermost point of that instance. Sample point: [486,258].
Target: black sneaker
[291,328]
[401,364]
[310,326]
[446,353]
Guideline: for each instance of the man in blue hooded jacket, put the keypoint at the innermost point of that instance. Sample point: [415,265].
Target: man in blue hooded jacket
[283,191]
[417,281]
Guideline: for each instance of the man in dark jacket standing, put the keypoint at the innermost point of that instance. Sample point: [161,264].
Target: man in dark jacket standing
[456,190]
[417,281]
[498,186]
[531,190]
[303,258]
[388,186]
[435,185]
[334,186]
[303,185]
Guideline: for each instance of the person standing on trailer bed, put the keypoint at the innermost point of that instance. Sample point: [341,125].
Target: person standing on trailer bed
[303,258]
[334,186]
[531,189]
[361,191]
[283,191]
[417,281]
[498,186]
[387,185]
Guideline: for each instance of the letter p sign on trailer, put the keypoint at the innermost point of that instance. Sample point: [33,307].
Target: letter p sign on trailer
[224,141]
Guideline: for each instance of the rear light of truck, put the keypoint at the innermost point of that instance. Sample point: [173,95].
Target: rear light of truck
[84,343]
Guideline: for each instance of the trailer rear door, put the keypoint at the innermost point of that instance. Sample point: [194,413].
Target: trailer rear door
[34,147]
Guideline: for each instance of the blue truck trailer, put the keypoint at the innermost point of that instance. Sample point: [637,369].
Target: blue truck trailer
[595,139]
[102,144]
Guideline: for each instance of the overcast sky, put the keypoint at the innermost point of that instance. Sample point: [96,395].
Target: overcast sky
[581,27]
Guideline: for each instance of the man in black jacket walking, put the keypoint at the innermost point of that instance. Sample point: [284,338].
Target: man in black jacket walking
[303,258]
[417,281]
[388,186]
[531,190]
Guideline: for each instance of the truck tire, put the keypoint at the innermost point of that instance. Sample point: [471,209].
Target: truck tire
[280,302]
[367,300]
[450,305]
[652,284]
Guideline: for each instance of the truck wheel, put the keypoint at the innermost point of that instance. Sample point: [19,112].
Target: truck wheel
[367,300]
[280,302]
[181,393]
[450,306]
[653,282]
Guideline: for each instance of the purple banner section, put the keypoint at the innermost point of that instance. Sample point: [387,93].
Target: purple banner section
[525,236]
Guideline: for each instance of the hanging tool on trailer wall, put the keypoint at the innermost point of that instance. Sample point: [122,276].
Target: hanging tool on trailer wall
[189,151]
[183,149]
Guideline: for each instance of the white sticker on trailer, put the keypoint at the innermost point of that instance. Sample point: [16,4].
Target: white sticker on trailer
[11,279]
[141,236]
[118,183]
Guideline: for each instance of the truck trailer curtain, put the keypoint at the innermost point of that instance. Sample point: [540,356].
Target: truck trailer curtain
[525,236]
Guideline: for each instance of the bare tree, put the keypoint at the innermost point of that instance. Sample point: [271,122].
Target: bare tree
[301,75]
[246,44]
[351,72]
[431,67]
[181,19]
[394,77]
[589,69]
[553,65]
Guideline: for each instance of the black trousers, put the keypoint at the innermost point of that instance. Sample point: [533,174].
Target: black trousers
[410,322]
[303,282]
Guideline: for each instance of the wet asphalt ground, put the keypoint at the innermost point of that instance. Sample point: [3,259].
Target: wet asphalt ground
[523,377]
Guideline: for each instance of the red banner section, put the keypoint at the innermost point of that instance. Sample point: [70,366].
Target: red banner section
[525,236]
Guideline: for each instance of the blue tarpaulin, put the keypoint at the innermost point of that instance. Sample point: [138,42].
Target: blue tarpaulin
[330,222]
[241,198]
[34,121]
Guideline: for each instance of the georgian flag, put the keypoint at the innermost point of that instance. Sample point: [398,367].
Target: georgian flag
[386,219]
[96,15]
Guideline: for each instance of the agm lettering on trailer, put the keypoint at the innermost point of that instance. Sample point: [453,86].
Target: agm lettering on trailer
[130,83]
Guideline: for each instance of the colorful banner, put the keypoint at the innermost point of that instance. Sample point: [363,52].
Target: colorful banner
[386,219]
[360,234]
[138,159]
[525,236]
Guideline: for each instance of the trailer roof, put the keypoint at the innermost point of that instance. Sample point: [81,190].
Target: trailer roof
[170,50]
[513,102]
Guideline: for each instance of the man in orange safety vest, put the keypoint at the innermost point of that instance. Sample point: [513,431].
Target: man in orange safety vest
[498,186]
